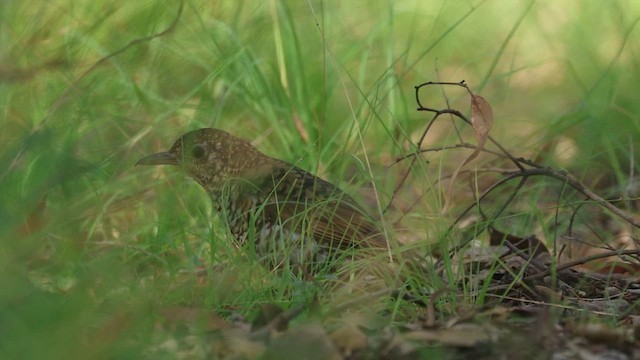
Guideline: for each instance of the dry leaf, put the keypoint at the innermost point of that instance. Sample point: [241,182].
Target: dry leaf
[349,338]
[309,341]
[482,121]
[461,335]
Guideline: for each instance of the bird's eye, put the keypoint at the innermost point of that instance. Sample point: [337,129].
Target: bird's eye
[197,152]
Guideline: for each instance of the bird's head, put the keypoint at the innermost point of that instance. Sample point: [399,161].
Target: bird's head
[211,156]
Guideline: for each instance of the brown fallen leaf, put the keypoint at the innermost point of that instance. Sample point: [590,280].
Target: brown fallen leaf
[309,341]
[349,338]
[482,122]
[461,335]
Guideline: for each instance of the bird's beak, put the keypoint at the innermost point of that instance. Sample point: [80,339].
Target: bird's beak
[162,158]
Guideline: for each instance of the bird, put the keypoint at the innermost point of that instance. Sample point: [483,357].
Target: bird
[290,217]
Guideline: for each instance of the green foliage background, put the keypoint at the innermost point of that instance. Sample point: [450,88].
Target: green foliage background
[89,87]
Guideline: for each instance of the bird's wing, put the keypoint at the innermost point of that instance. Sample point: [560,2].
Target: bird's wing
[303,201]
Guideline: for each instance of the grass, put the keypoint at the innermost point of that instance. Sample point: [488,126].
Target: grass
[86,89]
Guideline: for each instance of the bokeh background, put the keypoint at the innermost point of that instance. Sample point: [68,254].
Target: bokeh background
[89,87]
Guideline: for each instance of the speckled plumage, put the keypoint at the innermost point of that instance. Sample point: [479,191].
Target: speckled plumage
[291,215]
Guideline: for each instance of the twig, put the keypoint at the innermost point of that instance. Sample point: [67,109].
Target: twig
[583,261]
[442,148]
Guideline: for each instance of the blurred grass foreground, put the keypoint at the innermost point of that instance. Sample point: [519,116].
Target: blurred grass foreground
[91,247]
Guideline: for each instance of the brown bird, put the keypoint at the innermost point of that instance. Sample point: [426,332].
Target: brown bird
[288,215]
